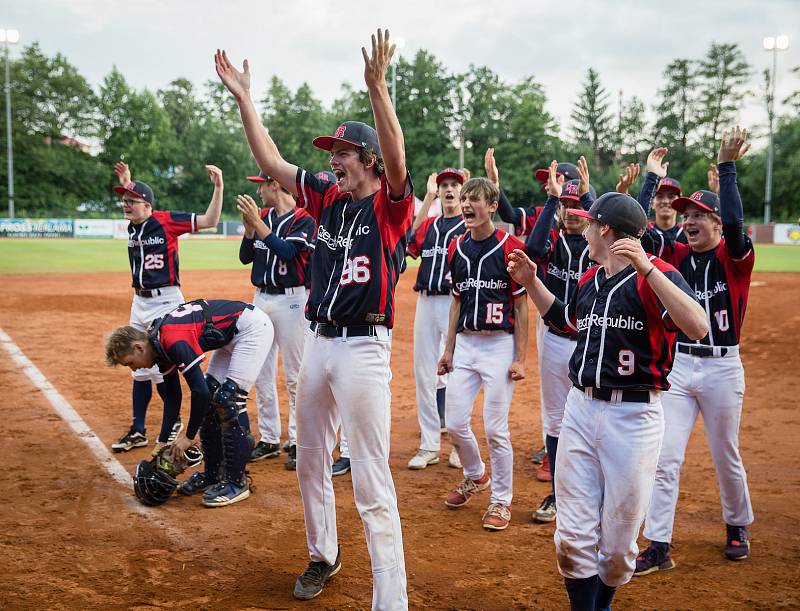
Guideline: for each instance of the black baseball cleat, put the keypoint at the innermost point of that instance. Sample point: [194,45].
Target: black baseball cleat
[655,558]
[314,578]
[264,450]
[131,439]
[291,460]
[341,466]
[737,546]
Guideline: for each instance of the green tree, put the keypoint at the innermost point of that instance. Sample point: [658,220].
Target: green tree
[633,128]
[676,112]
[591,119]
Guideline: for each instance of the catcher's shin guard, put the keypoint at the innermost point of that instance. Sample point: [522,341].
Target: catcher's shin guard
[229,401]
[211,440]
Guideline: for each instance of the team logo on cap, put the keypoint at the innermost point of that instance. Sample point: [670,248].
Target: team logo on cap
[340,131]
[697,196]
[571,189]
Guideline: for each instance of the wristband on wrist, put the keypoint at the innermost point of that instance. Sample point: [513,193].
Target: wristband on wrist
[649,271]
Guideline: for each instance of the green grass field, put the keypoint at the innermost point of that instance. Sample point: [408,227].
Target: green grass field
[41,256]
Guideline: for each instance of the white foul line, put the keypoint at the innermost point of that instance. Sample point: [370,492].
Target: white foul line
[67,413]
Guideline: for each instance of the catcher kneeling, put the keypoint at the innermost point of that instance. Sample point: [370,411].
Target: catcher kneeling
[241,337]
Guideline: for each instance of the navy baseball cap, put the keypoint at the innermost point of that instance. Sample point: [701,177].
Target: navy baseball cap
[356,133]
[569,190]
[669,184]
[618,210]
[568,170]
[138,189]
[707,200]
[450,173]
[262,177]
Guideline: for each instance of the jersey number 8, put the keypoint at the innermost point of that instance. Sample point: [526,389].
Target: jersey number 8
[355,270]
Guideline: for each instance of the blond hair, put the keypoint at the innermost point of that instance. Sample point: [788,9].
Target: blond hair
[482,187]
[120,343]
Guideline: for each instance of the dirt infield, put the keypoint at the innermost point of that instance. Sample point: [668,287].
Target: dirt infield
[70,538]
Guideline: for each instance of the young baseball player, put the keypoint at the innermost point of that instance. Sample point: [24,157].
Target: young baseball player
[707,377]
[487,340]
[241,337]
[660,191]
[562,251]
[625,311]
[277,242]
[153,255]
[430,241]
[362,223]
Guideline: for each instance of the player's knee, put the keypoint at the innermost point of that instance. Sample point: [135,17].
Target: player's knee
[229,400]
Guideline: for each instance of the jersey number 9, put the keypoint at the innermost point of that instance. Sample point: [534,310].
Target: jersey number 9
[627,363]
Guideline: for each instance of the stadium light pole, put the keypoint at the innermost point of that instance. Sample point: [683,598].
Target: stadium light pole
[8,37]
[774,44]
[399,43]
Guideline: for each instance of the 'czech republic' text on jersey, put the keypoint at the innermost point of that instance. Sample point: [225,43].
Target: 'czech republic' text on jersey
[268,270]
[181,346]
[153,248]
[482,283]
[430,243]
[625,336]
[721,284]
[359,251]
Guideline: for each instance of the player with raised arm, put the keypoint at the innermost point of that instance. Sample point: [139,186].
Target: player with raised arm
[240,336]
[362,221]
[625,311]
[277,241]
[660,191]
[708,377]
[153,256]
[487,340]
[430,240]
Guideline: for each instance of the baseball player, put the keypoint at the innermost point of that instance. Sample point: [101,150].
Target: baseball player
[277,241]
[625,310]
[707,377]
[487,339]
[153,255]
[430,241]
[564,255]
[361,238]
[660,191]
[241,337]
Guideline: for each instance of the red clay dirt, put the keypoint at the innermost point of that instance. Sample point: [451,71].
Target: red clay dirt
[70,536]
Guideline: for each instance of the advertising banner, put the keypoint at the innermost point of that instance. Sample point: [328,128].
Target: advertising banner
[36,228]
[786,233]
[94,228]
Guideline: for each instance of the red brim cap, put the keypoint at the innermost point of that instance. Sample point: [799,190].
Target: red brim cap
[543,174]
[669,187]
[580,212]
[256,179]
[681,203]
[446,174]
[573,198]
[326,142]
[123,191]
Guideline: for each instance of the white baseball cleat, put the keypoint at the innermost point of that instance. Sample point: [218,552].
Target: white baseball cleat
[422,459]
[454,460]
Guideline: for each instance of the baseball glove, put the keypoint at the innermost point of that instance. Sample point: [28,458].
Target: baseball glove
[172,462]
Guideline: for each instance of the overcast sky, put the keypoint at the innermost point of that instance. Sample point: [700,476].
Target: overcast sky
[628,42]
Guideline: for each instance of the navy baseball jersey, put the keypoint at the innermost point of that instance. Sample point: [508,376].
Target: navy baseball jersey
[674,234]
[481,281]
[269,271]
[179,340]
[430,243]
[359,251]
[625,336]
[153,248]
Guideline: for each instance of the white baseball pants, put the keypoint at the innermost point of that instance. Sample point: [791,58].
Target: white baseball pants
[605,468]
[483,360]
[430,333]
[242,358]
[554,380]
[348,379]
[289,321]
[713,387]
[144,310]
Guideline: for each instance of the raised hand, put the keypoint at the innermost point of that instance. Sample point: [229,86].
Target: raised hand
[733,146]
[521,268]
[583,172]
[490,165]
[627,179]
[655,159]
[123,172]
[215,174]
[236,81]
[713,178]
[554,182]
[376,65]
[432,187]
[249,209]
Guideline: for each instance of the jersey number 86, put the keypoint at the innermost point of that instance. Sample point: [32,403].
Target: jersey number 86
[355,270]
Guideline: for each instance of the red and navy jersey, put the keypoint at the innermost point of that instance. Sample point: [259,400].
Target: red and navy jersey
[153,248]
[179,341]
[567,260]
[526,219]
[430,243]
[721,284]
[481,281]
[625,336]
[360,249]
[269,271]
[674,234]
